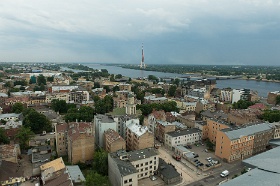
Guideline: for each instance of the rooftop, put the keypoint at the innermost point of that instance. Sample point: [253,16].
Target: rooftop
[167,170]
[138,130]
[76,173]
[247,131]
[266,166]
[104,118]
[112,135]
[183,132]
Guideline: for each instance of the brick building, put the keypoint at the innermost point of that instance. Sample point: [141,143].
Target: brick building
[138,137]
[232,145]
[113,141]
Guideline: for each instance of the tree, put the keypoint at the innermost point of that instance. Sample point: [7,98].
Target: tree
[112,78]
[3,137]
[23,136]
[172,91]
[36,122]
[176,82]
[85,113]
[17,107]
[119,76]
[116,88]
[50,79]
[41,80]
[95,179]
[59,106]
[100,162]
[277,100]
[271,115]
[96,85]
[107,88]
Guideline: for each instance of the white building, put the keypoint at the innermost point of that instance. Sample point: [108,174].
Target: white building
[12,124]
[8,117]
[236,95]
[189,106]
[126,168]
[103,123]
[61,96]
[182,137]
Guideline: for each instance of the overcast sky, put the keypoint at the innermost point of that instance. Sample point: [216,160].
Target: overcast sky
[238,32]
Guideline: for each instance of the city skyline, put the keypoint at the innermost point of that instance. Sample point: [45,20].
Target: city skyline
[174,32]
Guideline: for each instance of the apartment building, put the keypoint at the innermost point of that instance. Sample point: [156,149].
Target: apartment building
[212,127]
[163,127]
[182,137]
[244,116]
[276,130]
[126,168]
[81,142]
[75,139]
[138,137]
[113,141]
[61,96]
[126,87]
[271,97]
[153,117]
[103,123]
[78,96]
[226,95]
[236,144]
[10,152]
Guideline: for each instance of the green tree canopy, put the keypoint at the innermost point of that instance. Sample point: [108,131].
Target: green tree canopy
[59,106]
[36,122]
[172,91]
[277,99]
[105,105]
[100,162]
[242,104]
[85,113]
[41,80]
[167,107]
[3,137]
[95,179]
[23,136]
[271,115]
[17,107]
[118,76]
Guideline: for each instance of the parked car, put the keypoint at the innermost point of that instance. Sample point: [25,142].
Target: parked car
[196,160]
[196,156]
[209,158]
[201,164]
[224,173]
[208,165]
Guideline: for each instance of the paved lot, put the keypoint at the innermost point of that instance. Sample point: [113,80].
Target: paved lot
[187,170]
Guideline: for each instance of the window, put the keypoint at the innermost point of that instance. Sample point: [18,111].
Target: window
[125,181]
[130,180]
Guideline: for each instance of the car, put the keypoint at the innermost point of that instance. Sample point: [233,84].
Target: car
[196,160]
[208,165]
[206,150]
[196,156]
[225,173]
[201,164]
[209,158]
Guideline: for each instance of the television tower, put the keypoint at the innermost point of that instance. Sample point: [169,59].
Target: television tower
[142,63]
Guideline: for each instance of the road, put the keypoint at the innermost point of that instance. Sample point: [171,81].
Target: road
[215,178]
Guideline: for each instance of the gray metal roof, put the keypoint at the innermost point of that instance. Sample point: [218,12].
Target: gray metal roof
[167,170]
[255,177]
[247,131]
[268,160]
[76,173]
[141,154]
[183,132]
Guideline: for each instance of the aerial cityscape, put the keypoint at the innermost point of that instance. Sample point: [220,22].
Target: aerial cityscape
[128,93]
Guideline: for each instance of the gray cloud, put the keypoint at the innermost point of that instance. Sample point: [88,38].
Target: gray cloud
[179,31]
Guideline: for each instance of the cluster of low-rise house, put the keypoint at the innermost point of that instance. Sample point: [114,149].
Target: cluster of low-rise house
[236,134]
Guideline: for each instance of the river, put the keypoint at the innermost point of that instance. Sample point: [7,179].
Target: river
[260,86]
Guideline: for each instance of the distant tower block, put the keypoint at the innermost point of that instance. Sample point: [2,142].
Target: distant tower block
[142,63]
[130,106]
